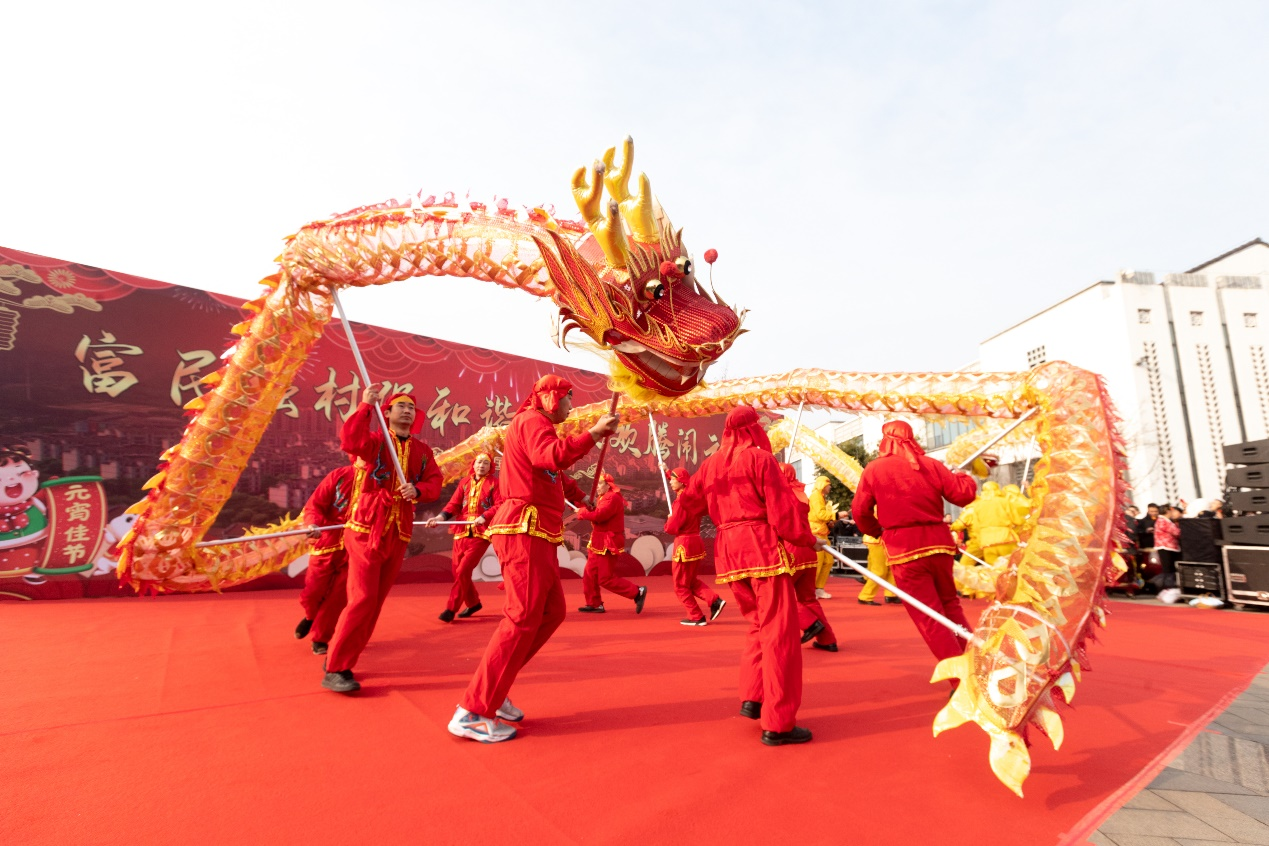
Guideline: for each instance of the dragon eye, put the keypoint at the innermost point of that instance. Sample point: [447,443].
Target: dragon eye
[654,290]
[684,265]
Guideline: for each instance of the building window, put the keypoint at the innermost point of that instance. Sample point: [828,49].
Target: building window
[938,435]
[1196,318]
[1035,356]
[1143,315]
[1249,319]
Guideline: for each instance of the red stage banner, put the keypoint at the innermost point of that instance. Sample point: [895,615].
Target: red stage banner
[96,365]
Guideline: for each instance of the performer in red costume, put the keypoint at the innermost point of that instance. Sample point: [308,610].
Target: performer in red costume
[689,552]
[907,489]
[607,543]
[475,499]
[811,616]
[526,530]
[325,590]
[754,510]
[380,523]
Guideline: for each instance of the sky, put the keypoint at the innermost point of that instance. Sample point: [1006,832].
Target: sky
[886,184]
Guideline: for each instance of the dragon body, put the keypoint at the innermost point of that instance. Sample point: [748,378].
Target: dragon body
[624,278]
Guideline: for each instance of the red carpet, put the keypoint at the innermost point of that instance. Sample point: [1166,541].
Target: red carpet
[198,719]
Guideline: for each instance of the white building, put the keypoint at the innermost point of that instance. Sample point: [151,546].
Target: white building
[1184,360]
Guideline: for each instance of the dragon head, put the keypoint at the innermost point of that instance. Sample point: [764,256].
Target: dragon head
[630,286]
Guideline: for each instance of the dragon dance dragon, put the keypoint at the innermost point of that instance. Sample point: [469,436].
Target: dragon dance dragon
[624,278]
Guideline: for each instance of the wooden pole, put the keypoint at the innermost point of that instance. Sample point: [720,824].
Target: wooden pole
[603,448]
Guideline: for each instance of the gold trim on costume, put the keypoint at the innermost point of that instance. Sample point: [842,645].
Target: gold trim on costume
[924,552]
[528,525]
[752,573]
[681,557]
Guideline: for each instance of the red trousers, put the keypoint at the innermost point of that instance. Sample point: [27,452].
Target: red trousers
[371,571]
[929,579]
[533,610]
[688,588]
[771,663]
[809,608]
[599,573]
[467,555]
[325,592]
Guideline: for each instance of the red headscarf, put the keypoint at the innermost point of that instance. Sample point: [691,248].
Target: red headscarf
[791,476]
[612,483]
[417,425]
[679,474]
[546,394]
[742,430]
[896,439]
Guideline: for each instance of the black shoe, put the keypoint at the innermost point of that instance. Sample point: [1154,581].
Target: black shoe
[592,609]
[301,631]
[639,600]
[319,648]
[866,602]
[812,630]
[447,616]
[751,709]
[341,682]
[797,734]
[691,622]
[470,609]
[827,647]
[893,600]
[716,608]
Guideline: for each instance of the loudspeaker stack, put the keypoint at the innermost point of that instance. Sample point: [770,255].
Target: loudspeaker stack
[1245,538]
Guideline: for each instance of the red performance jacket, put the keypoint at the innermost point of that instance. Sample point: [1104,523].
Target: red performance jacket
[608,519]
[532,479]
[909,505]
[329,505]
[377,508]
[473,499]
[688,545]
[754,510]
[802,556]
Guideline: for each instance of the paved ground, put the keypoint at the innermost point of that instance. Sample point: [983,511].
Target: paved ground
[1215,791]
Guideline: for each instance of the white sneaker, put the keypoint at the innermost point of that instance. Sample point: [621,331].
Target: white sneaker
[820,593]
[482,729]
[509,712]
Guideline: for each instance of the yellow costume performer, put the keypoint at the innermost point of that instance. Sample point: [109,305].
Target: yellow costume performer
[878,565]
[1020,507]
[995,516]
[821,516]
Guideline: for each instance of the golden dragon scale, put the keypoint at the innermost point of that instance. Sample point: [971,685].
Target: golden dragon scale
[1030,641]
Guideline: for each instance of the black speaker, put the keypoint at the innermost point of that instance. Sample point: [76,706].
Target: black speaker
[1252,452]
[1249,500]
[1196,578]
[1247,574]
[1199,537]
[1252,530]
[1253,476]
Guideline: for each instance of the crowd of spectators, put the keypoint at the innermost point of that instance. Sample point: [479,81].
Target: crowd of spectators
[1153,545]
